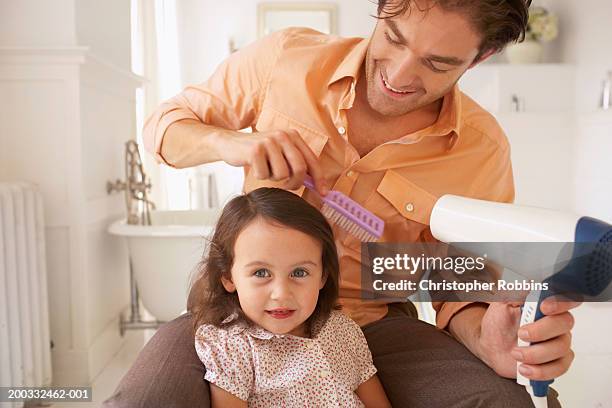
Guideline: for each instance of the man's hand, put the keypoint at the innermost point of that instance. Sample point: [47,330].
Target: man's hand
[493,338]
[278,155]
[274,155]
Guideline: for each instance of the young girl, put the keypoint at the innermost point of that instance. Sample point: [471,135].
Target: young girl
[267,326]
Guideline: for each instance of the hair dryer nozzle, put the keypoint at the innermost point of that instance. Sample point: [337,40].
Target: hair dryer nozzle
[590,271]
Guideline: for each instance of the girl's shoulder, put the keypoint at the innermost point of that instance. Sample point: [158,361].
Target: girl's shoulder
[228,344]
[338,318]
[338,324]
[348,347]
[226,354]
[210,332]
[230,335]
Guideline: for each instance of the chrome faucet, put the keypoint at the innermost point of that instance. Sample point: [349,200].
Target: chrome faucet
[606,93]
[136,187]
[203,190]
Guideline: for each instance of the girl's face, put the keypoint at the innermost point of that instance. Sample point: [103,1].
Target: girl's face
[277,273]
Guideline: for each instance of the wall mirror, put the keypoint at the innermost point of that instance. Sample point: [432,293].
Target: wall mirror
[276,16]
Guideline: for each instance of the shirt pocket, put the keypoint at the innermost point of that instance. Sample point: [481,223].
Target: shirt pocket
[404,206]
[272,119]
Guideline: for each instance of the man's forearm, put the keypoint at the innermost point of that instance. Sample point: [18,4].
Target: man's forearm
[465,327]
[189,142]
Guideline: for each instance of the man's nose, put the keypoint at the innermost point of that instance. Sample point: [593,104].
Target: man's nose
[402,73]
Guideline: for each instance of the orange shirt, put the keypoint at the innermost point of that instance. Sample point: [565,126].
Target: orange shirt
[303,80]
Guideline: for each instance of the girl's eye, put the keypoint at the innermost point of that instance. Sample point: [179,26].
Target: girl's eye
[262,273]
[299,273]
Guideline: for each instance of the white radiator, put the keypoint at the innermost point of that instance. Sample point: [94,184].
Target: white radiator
[25,352]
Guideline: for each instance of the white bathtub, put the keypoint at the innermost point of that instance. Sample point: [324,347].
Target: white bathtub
[164,256]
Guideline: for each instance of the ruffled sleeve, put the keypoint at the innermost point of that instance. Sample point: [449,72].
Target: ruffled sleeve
[227,358]
[355,339]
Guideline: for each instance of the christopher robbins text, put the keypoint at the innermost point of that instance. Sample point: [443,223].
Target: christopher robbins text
[468,286]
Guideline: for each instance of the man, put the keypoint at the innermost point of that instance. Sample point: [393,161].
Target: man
[382,121]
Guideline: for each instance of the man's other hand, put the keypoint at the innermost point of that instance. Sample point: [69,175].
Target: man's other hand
[548,356]
[491,333]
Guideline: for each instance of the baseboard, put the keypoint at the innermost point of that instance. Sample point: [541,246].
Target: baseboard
[105,346]
[81,367]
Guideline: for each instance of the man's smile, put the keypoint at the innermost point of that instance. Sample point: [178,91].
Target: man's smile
[393,92]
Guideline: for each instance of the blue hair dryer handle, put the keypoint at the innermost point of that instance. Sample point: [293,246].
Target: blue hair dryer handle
[540,387]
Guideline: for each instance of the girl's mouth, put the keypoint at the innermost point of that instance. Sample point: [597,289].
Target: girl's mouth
[280,313]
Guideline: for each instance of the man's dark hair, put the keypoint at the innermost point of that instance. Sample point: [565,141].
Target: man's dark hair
[500,22]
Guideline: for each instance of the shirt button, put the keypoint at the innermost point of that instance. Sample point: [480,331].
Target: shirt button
[341,130]
[325,373]
[350,173]
[410,207]
[310,345]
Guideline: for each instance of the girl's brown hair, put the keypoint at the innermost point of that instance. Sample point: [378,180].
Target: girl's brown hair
[208,300]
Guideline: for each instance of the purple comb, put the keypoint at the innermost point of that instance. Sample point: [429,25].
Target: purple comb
[349,215]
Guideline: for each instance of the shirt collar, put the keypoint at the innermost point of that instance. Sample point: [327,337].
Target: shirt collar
[447,124]
[351,63]
[261,333]
[239,327]
[449,119]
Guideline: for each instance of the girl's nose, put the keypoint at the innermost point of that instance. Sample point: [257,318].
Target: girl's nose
[280,291]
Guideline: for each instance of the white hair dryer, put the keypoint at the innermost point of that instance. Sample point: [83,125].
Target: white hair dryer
[456,220]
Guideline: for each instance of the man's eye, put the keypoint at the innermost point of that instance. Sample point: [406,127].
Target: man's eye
[433,67]
[262,273]
[299,273]
[391,40]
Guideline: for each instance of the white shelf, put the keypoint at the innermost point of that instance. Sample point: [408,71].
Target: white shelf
[601,117]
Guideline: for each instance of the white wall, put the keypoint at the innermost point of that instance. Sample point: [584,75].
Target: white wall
[585,42]
[104,26]
[67,110]
[546,123]
[205,27]
[587,35]
[37,23]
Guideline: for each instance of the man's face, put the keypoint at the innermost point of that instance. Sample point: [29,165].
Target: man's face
[416,58]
